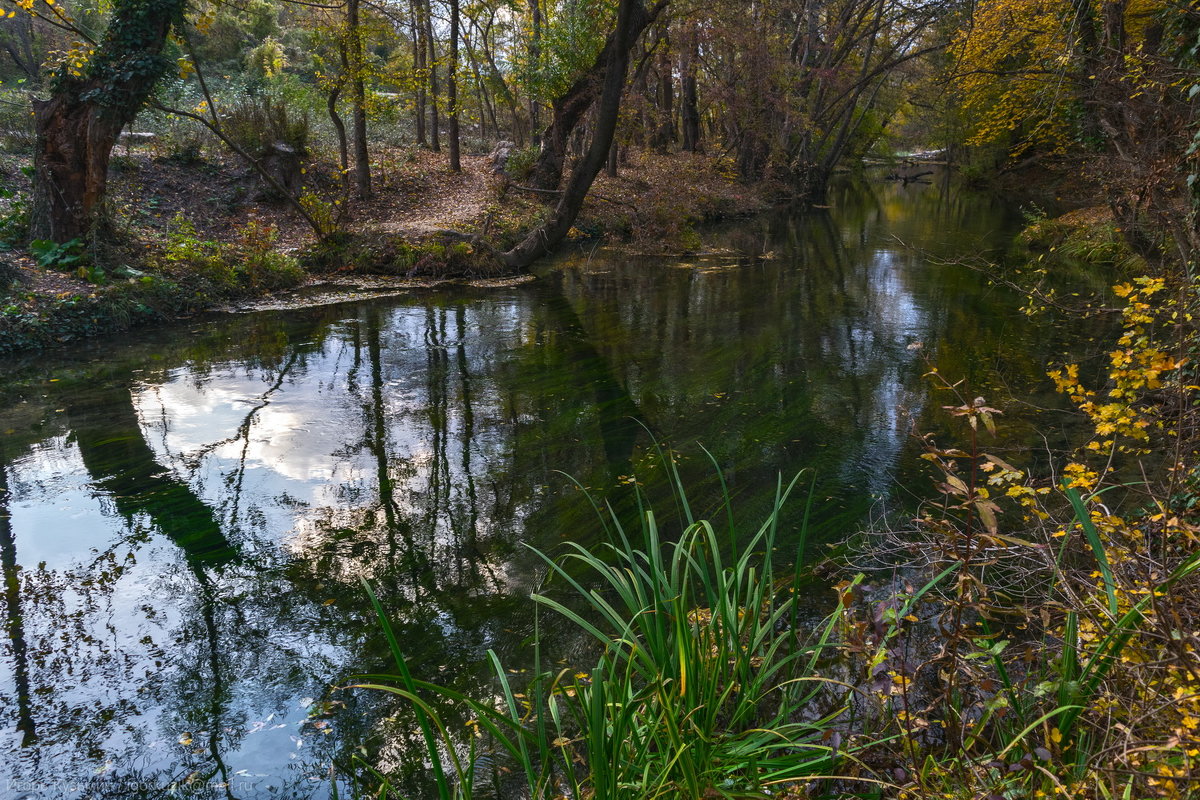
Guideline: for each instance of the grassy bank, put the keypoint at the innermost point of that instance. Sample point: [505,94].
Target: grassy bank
[73,291]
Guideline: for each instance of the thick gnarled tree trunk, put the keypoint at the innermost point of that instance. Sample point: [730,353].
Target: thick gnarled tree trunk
[74,142]
[78,126]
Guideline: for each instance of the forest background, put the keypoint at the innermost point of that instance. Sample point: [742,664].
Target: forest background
[327,108]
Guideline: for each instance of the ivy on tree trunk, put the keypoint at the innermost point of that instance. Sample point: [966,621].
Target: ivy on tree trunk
[78,126]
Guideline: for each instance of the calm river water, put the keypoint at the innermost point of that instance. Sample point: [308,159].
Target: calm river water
[185,513]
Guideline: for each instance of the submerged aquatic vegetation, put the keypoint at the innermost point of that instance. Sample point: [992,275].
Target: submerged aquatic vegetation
[704,684]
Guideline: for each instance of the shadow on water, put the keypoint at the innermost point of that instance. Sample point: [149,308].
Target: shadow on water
[13,625]
[185,514]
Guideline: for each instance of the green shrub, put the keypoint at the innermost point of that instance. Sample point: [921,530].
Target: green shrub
[177,139]
[259,262]
[184,144]
[257,122]
[198,261]
[64,256]
[14,221]
[520,163]
[118,307]
[266,60]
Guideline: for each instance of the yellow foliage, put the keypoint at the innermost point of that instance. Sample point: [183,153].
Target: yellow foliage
[72,61]
[1011,63]
[1019,65]
[1138,366]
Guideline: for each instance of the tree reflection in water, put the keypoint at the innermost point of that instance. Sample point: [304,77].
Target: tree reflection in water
[184,517]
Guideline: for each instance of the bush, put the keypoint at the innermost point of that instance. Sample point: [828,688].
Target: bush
[520,163]
[262,266]
[258,123]
[193,260]
[216,271]
[183,142]
[267,60]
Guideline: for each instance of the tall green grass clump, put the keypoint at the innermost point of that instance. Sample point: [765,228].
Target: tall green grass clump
[703,685]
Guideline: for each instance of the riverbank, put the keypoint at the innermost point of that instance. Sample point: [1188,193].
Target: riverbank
[1052,643]
[189,237]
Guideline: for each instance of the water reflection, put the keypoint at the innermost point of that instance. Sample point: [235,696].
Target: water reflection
[185,515]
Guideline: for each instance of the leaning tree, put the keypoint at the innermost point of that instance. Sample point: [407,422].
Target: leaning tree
[603,84]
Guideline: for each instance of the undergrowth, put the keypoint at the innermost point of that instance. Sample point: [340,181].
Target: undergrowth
[1057,654]
[183,274]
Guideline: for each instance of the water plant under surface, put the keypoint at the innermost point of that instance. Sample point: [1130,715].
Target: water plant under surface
[704,685]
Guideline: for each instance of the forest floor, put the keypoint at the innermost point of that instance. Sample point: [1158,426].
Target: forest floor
[655,201]
[193,222]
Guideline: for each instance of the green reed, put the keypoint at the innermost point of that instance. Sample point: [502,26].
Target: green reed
[703,686]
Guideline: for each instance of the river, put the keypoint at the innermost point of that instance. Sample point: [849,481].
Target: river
[185,512]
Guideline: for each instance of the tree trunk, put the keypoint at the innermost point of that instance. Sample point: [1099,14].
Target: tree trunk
[570,107]
[78,126]
[74,142]
[631,20]
[641,135]
[452,89]
[21,50]
[501,87]
[112,446]
[419,47]
[434,124]
[665,96]
[487,103]
[535,55]
[339,127]
[567,110]
[362,159]
[689,104]
[13,618]
[752,155]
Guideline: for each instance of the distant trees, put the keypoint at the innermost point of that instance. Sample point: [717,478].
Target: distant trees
[787,87]
[1105,79]
[784,89]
